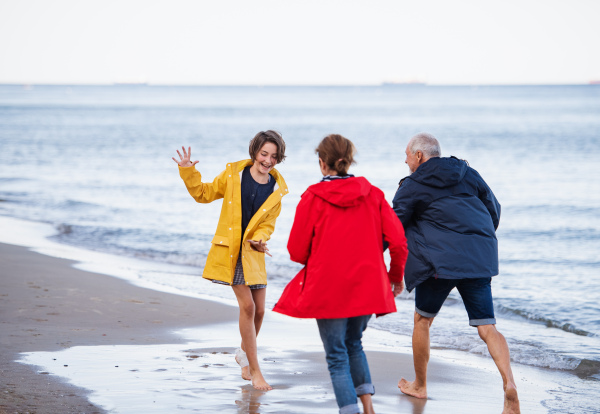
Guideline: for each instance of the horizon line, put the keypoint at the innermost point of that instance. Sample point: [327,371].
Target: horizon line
[384,84]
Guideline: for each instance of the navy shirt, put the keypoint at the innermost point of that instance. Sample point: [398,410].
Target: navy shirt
[253,196]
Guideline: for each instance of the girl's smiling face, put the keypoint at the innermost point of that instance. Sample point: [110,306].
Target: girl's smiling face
[266,158]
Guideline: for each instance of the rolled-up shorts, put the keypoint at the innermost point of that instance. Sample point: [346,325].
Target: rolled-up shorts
[476,295]
[238,276]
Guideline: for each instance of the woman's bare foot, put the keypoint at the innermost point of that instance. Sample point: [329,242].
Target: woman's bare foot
[409,388]
[246,373]
[259,382]
[511,400]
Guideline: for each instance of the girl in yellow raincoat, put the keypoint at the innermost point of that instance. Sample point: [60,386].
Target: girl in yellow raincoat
[251,191]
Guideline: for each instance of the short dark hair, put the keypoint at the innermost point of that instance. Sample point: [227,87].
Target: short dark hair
[337,153]
[262,138]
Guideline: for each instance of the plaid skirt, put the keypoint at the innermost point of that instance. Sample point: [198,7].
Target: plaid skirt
[238,276]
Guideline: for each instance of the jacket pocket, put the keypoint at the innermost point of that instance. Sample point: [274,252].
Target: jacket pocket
[255,259]
[219,252]
[220,240]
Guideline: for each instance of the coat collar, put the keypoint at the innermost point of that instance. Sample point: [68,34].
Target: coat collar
[238,167]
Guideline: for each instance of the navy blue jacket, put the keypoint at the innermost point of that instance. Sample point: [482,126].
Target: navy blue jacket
[450,217]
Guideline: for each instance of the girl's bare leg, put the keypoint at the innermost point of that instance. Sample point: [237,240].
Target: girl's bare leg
[258,295]
[250,313]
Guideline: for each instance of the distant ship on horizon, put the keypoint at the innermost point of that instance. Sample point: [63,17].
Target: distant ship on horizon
[404,83]
[133,83]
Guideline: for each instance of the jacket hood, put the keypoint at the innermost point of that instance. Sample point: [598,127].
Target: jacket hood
[345,192]
[440,172]
[238,166]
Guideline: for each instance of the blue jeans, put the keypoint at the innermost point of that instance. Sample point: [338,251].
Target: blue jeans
[346,361]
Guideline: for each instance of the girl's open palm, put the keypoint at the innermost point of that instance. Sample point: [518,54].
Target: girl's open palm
[185,159]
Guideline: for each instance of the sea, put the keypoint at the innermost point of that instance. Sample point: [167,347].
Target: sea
[94,164]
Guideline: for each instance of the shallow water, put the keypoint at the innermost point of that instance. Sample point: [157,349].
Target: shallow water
[284,341]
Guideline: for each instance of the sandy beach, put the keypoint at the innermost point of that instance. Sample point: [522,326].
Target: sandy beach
[46,305]
[93,343]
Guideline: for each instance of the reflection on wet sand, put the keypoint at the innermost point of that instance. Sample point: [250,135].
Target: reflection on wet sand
[249,403]
[418,404]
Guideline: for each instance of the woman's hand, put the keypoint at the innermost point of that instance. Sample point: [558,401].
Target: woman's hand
[397,288]
[259,246]
[185,160]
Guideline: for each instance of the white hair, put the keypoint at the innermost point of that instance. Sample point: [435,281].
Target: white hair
[426,143]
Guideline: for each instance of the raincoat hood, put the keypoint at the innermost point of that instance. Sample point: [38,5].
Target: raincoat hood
[341,248]
[345,192]
[440,172]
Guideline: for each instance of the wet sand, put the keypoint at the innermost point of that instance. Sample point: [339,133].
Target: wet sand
[127,349]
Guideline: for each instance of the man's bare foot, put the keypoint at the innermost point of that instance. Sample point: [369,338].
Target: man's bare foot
[246,373]
[409,388]
[259,382]
[511,400]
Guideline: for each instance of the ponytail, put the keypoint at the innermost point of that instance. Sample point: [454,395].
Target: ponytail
[337,153]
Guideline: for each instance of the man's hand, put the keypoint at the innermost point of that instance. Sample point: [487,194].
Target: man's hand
[397,288]
[185,159]
[259,246]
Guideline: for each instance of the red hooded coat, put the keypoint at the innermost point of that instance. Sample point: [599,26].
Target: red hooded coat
[338,235]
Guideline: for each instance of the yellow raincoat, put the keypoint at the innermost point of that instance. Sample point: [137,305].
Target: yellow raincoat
[225,249]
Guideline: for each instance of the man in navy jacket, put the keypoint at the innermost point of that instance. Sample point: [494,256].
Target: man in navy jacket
[450,217]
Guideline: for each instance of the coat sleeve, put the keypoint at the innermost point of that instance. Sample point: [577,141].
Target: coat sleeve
[301,235]
[393,234]
[404,203]
[266,227]
[203,192]
[488,198]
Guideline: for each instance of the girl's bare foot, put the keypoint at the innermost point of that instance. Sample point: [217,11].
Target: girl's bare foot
[409,388]
[259,382]
[242,360]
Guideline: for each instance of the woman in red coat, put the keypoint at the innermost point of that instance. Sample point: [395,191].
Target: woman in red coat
[338,235]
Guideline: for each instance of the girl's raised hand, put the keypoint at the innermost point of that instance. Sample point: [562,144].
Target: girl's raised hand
[185,159]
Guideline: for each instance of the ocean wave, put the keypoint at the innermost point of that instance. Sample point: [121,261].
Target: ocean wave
[4,180]
[550,323]
[521,352]
[14,196]
[551,262]
[526,353]
[136,243]
[69,204]
[554,234]
[559,209]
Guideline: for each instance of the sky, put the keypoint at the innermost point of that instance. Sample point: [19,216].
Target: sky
[307,42]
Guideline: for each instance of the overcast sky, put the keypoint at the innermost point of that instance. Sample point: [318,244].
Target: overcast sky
[299,42]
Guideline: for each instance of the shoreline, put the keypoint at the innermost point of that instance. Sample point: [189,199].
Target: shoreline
[47,305]
[66,330]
